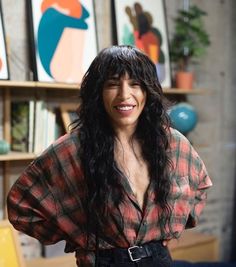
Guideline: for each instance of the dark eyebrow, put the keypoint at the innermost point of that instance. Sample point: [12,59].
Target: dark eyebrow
[115,77]
[111,80]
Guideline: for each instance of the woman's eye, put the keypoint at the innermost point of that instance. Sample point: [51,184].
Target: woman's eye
[135,84]
[114,84]
[111,84]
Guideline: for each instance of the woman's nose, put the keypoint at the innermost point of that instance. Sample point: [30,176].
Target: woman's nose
[124,91]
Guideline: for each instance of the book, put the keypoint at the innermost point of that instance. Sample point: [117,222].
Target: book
[20,126]
[50,124]
[45,126]
[39,126]
[31,126]
[1,118]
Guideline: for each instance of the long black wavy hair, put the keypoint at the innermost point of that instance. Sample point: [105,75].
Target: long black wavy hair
[97,136]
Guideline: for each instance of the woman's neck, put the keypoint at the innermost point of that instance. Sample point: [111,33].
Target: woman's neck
[125,145]
[124,135]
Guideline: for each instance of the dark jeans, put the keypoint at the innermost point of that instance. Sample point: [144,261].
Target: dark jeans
[160,258]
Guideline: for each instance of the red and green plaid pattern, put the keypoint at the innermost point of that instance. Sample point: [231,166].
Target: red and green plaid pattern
[46,202]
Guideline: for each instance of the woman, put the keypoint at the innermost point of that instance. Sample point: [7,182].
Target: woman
[122,182]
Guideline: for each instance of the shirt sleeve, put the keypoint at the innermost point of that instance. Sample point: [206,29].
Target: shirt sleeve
[201,183]
[30,203]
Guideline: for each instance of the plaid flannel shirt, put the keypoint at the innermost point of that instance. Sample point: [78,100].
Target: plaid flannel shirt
[46,202]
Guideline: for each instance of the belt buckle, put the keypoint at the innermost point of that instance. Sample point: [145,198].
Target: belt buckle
[131,255]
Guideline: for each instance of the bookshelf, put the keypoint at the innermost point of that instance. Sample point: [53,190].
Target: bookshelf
[24,89]
[10,88]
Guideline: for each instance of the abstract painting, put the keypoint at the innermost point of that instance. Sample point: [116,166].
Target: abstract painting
[142,24]
[64,39]
[4,71]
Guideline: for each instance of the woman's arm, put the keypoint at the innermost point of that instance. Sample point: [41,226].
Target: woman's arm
[30,203]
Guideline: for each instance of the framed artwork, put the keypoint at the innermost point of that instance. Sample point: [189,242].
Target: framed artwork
[142,23]
[68,114]
[10,252]
[4,70]
[63,37]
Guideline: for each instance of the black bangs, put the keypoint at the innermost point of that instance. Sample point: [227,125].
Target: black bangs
[119,68]
[117,61]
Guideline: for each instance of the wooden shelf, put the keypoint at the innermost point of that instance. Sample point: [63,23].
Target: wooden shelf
[184,91]
[35,85]
[68,86]
[13,156]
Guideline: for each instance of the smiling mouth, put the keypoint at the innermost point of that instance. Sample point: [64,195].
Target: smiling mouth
[124,108]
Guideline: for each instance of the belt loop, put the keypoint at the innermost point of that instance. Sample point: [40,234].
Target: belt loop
[154,247]
[149,253]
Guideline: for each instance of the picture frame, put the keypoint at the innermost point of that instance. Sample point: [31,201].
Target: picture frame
[68,114]
[142,23]
[4,67]
[62,44]
[10,252]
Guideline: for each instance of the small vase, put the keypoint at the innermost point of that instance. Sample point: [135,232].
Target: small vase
[4,147]
[184,80]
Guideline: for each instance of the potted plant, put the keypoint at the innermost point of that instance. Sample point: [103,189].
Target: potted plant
[188,43]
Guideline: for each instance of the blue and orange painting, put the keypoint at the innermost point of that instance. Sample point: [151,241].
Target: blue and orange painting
[63,31]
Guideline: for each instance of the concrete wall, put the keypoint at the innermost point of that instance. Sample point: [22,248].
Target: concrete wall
[217,114]
[217,124]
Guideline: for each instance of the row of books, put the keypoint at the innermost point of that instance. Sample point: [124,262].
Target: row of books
[1,119]
[34,125]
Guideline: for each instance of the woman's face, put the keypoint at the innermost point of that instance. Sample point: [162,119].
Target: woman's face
[124,101]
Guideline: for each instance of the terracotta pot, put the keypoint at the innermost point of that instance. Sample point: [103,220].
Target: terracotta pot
[184,80]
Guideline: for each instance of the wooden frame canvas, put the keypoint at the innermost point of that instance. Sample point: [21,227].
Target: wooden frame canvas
[64,40]
[10,252]
[142,23]
[4,70]
[68,114]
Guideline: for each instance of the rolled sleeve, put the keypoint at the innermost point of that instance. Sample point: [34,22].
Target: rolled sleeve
[203,184]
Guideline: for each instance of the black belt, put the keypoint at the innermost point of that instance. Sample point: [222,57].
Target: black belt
[135,253]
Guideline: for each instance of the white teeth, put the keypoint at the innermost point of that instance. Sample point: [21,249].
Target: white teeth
[124,107]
